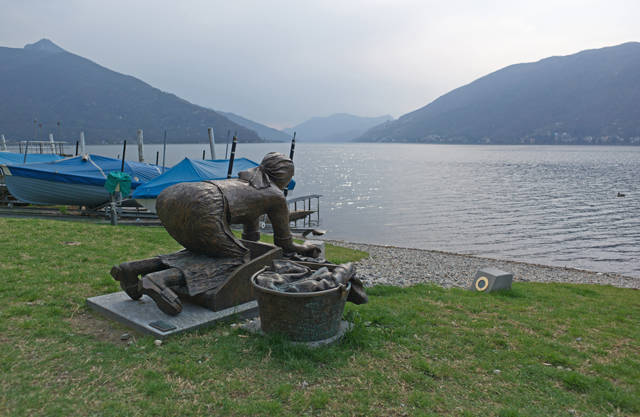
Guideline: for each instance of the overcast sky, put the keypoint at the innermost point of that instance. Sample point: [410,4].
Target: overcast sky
[282,62]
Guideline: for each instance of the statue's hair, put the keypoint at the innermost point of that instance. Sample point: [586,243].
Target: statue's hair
[275,168]
[278,167]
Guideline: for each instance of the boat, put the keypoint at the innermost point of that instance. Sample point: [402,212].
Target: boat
[77,181]
[188,170]
[20,158]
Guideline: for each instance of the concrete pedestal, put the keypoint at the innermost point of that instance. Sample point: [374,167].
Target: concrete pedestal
[143,315]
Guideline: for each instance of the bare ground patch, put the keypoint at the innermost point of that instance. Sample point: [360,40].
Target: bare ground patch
[104,330]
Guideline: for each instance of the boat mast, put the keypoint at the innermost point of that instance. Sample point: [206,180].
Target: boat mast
[124,151]
[291,152]
[232,156]
[164,149]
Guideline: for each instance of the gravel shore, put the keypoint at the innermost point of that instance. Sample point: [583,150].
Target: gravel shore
[391,265]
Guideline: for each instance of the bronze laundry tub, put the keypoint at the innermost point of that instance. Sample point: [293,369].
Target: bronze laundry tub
[301,317]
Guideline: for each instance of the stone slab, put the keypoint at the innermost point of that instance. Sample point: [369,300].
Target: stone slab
[253,326]
[139,314]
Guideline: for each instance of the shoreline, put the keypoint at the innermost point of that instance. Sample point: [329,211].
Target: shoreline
[390,265]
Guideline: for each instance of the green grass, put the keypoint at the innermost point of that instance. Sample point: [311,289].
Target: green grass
[416,351]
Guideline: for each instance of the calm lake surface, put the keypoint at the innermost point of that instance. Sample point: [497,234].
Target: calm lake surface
[543,204]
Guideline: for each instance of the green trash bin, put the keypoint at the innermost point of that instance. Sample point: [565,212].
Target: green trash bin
[118,182]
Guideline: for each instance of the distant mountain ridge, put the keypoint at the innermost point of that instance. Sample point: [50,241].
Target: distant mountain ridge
[266,133]
[590,97]
[339,127]
[43,82]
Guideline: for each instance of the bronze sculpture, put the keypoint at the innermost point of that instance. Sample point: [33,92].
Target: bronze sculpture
[198,215]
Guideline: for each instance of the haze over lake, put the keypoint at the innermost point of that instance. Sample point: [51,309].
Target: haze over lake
[544,204]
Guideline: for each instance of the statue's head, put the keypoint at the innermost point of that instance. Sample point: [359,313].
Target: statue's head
[275,169]
[279,168]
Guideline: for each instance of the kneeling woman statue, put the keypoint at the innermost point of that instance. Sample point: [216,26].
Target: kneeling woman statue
[198,215]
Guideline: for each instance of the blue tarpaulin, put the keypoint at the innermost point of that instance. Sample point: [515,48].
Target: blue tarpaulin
[18,158]
[192,170]
[80,170]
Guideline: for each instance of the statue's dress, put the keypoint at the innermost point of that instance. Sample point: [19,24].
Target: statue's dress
[196,214]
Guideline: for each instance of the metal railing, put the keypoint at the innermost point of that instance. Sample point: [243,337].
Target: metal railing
[307,202]
[41,146]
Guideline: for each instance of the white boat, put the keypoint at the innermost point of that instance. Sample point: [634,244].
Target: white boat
[76,181]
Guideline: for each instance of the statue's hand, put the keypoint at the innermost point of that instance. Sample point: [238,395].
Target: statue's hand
[308,249]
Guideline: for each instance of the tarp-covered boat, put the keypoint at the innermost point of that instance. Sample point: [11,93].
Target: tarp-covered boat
[72,181]
[188,170]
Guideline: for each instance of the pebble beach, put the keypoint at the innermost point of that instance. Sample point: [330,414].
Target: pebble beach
[389,265]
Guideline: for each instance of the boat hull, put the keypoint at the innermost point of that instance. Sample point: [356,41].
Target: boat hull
[39,191]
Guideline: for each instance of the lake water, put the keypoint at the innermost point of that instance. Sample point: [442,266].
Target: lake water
[544,204]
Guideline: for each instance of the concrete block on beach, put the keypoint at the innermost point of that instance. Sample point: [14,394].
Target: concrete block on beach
[491,279]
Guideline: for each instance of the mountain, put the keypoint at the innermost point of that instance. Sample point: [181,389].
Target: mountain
[266,133]
[44,82]
[338,127]
[587,98]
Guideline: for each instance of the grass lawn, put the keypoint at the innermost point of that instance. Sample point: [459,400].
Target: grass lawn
[540,349]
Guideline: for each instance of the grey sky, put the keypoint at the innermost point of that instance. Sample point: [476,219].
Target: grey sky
[282,62]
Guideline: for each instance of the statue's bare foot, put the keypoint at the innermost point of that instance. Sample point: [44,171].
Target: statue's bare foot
[129,281]
[166,300]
